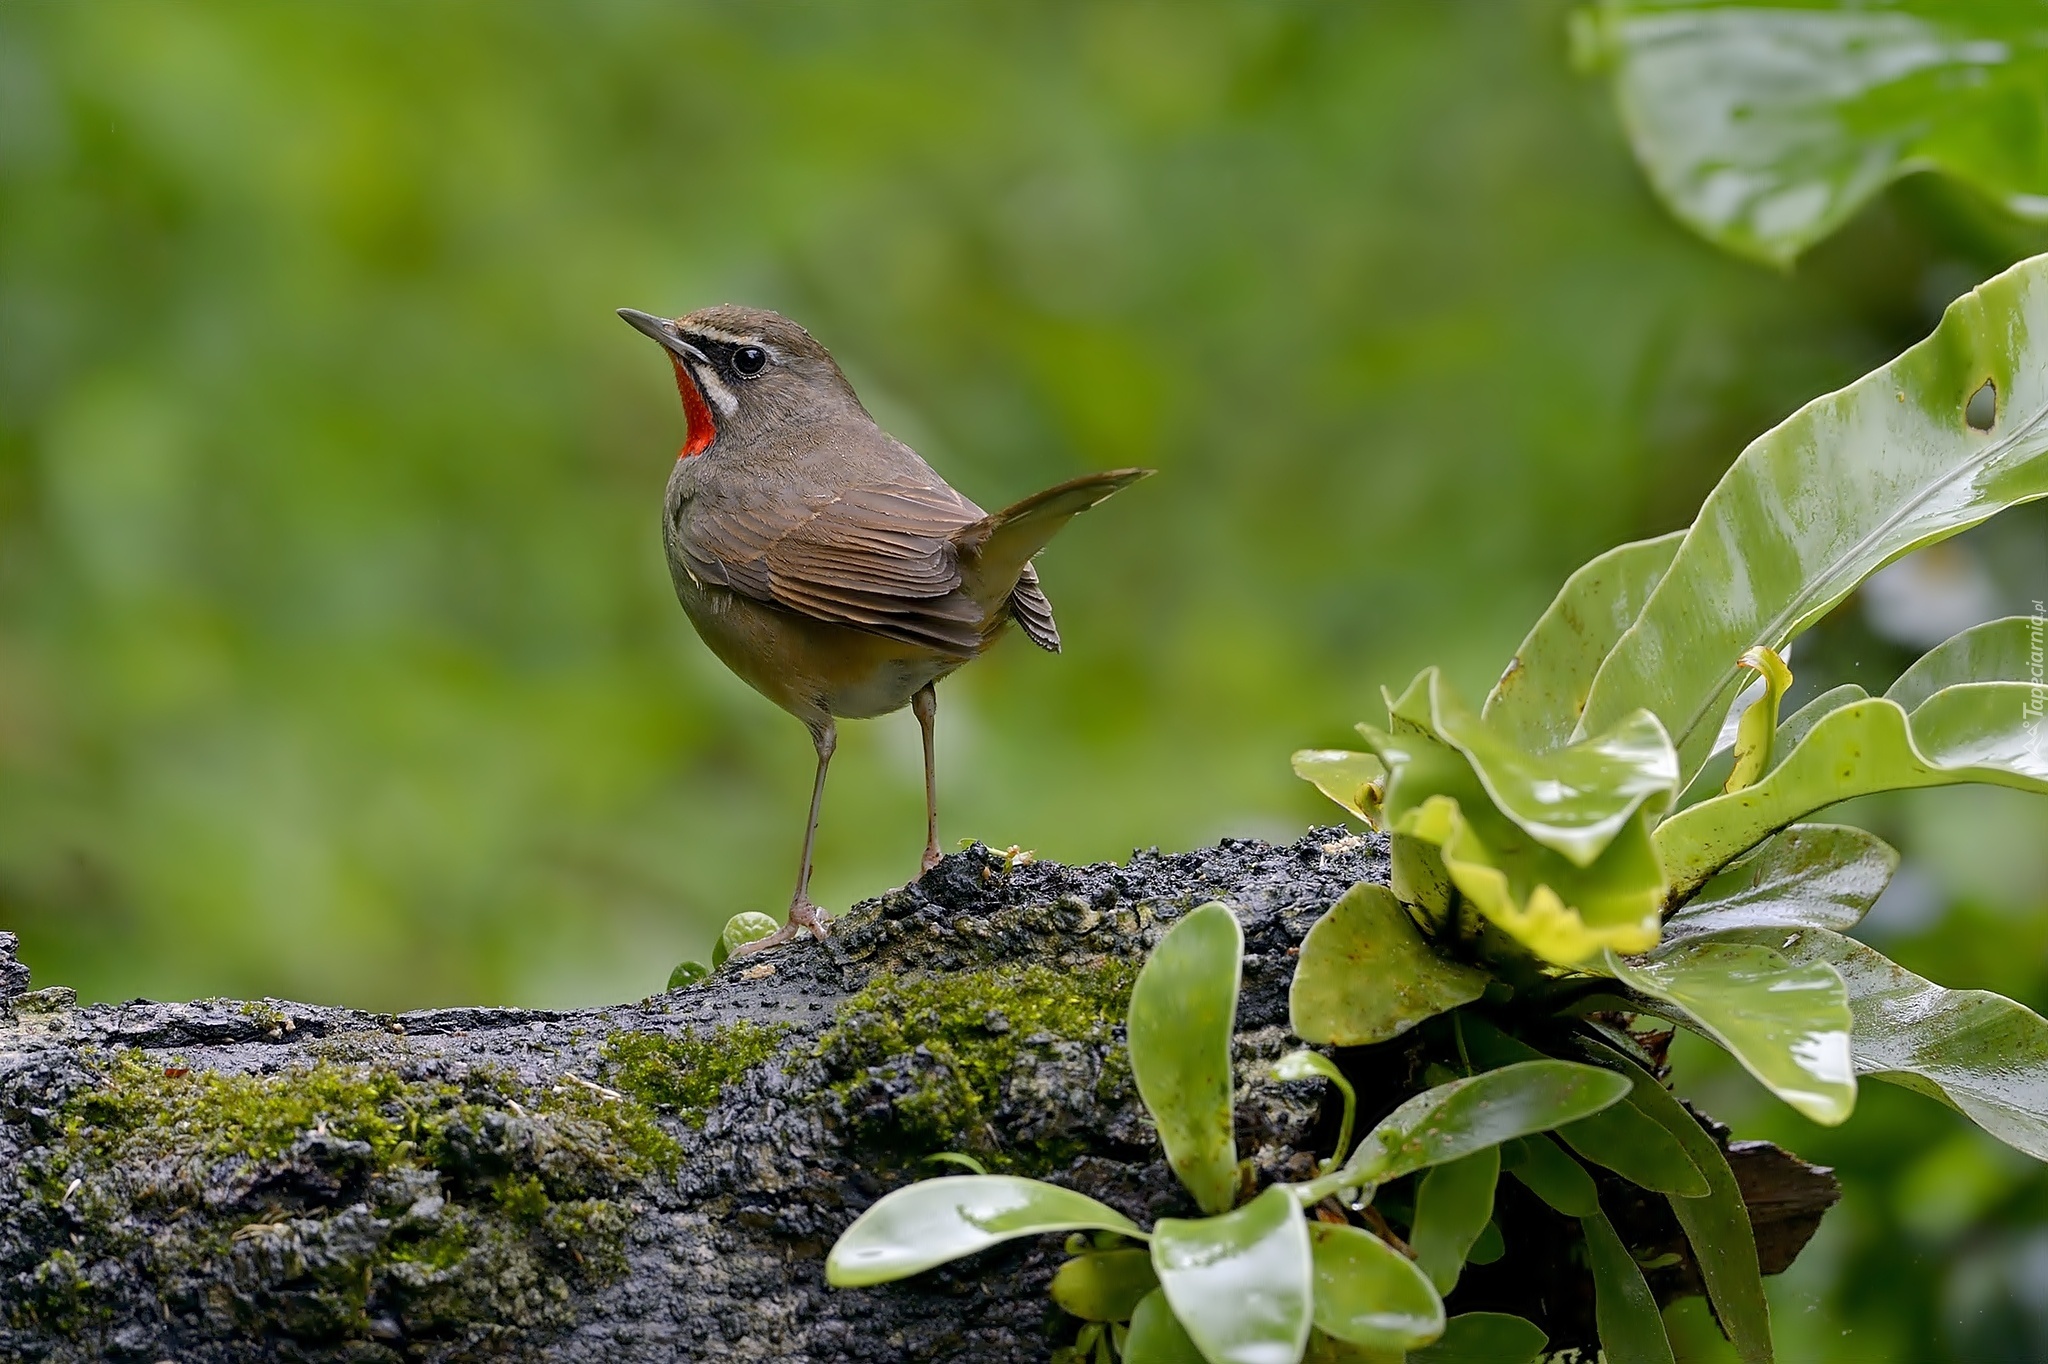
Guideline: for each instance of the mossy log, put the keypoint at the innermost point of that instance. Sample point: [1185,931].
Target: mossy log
[224,1181]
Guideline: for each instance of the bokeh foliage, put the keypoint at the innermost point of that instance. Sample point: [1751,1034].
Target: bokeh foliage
[337,658]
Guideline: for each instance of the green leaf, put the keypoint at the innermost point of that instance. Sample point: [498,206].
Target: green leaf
[1788,1025]
[1366,974]
[1980,732]
[1311,1065]
[1367,1293]
[1763,128]
[1758,727]
[1464,1116]
[1537,701]
[1485,1338]
[741,929]
[1573,800]
[1621,1139]
[1981,1053]
[1156,1335]
[959,1158]
[2005,650]
[1489,1248]
[1324,1349]
[1618,1137]
[1183,1013]
[686,974]
[1717,1225]
[1104,1285]
[1240,1283]
[1845,485]
[1546,1171]
[1417,876]
[1714,775]
[1452,1206]
[1356,781]
[1809,876]
[1631,1329]
[1537,896]
[938,1220]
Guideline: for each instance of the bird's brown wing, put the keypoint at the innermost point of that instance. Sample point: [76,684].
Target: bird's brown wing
[877,557]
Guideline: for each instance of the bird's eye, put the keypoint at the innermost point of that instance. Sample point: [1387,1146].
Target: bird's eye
[749,360]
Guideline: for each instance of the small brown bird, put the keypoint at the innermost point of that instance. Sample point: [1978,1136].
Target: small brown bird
[820,558]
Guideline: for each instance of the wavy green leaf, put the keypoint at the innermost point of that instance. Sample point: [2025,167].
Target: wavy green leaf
[1104,1285]
[1981,732]
[1183,1013]
[1356,781]
[1537,701]
[1573,800]
[1788,1025]
[1453,1204]
[1624,1310]
[1156,1335]
[1716,1225]
[1367,1293]
[1485,1338]
[1456,1119]
[937,1220]
[1982,1054]
[1555,908]
[1559,912]
[1366,974]
[1241,1284]
[1809,876]
[1763,128]
[2007,650]
[1845,485]
[1546,1171]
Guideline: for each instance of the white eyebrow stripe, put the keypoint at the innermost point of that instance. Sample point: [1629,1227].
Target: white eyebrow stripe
[714,334]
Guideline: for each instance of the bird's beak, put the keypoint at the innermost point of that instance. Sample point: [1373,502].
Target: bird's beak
[664,332]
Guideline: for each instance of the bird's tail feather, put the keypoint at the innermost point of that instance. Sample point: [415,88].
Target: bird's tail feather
[995,549]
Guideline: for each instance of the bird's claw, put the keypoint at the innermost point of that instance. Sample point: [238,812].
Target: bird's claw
[802,915]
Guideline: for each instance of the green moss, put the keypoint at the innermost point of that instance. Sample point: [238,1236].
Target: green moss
[943,1048]
[523,1197]
[437,1203]
[142,1108]
[268,1017]
[686,1073]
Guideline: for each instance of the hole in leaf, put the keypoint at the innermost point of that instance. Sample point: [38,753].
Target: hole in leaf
[1983,408]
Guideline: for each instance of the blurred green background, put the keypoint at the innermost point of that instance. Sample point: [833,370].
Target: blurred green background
[338,659]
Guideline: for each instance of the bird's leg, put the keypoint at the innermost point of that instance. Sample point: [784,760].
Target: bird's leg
[802,913]
[926,706]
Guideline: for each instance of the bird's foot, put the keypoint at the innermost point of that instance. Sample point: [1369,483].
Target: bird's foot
[802,915]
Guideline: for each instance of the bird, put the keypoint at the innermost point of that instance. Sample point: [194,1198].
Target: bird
[821,559]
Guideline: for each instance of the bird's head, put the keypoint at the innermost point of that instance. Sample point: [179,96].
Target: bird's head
[744,371]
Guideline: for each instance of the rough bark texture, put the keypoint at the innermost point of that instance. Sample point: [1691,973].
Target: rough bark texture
[221,1181]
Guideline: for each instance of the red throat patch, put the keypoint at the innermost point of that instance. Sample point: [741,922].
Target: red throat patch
[698,412]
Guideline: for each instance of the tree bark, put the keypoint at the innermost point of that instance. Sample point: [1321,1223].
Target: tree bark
[220,1181]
